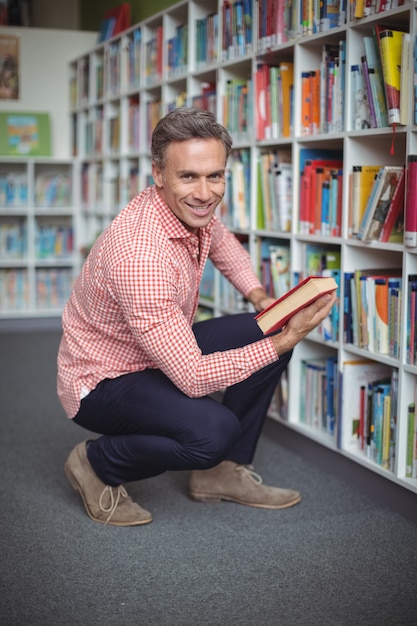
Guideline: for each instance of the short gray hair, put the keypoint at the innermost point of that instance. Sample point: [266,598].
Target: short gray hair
[186,123]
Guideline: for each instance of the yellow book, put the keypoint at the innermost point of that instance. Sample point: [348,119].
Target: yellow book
[390,45]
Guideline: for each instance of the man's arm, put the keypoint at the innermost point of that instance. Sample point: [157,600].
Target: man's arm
[260,299]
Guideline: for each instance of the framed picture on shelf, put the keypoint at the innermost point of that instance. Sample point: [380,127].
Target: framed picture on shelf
[25,134]
[9,67]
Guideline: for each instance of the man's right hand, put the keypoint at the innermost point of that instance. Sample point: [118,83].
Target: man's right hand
[303,322]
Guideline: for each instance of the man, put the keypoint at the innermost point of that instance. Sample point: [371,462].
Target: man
[134,368]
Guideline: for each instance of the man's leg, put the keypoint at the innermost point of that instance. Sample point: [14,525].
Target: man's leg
[234,478]
[250,399]
[148,427]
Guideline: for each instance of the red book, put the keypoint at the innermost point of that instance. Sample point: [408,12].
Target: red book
[410,225]
[279,312]
[395,210]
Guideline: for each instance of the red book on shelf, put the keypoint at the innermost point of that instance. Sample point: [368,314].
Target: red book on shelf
[395,210]
[121,17]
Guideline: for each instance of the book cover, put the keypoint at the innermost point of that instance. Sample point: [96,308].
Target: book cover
[278,313]
[393,227]
[390,45]
[410,209]
[363,179]
[379,202]
[386,196]
[25,134]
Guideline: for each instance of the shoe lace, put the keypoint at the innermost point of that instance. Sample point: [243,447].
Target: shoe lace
[115,493]
[248,470]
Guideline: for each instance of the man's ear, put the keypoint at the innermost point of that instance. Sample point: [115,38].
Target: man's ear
[157,175]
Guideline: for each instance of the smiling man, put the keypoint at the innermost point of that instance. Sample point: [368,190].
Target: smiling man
[135,368]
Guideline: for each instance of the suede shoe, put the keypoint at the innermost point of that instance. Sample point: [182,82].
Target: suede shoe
[103,503]
[239,483]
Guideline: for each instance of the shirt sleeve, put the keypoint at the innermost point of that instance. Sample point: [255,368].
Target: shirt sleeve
[232,260]
[164,335]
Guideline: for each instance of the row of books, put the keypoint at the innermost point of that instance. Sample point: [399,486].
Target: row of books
[321,182]
[52,288]
[274,97]
[134,59]
[207,38]
[275,191]
[372,310]
[274,267]
[154,57]
[53,190]
[14,290]
[237,28]
[368,410]
[177,54]
[376,204]
[319,403]
[280,21]
[365,8]
[380,83]
[237,108]
[113,69]
[13,239]
[53,241]
[235,208]
[323,92]
[13,190]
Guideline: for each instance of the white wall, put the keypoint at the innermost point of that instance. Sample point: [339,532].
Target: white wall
[44,77]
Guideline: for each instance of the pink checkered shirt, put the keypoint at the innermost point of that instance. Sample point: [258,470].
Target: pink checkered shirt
[133,305]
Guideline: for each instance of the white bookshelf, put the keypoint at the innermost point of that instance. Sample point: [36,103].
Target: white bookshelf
[105,185]
[39,234]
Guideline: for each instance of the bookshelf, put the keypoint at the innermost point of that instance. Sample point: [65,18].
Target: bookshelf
[189,54]
[39,226]
[37,236]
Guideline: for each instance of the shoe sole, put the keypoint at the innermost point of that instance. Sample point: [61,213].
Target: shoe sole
[201,497]
[77,487]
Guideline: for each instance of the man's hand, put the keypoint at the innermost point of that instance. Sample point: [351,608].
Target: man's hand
[260,299]
[303,322]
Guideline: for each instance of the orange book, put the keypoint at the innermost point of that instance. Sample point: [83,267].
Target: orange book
[315,102]
[287,86]
[305,103]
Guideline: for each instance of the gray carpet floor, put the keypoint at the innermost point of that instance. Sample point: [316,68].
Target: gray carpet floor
[339,558]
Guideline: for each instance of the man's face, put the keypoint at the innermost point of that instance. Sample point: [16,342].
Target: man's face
[192,181]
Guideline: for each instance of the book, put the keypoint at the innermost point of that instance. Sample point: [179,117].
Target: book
[410,209]
[393,227]
[405,79]
[353,428]
[379,202]
[363,179]
[279,312]
[376,81]
[390,45]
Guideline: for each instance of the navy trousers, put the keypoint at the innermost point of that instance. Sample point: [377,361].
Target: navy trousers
[148,426]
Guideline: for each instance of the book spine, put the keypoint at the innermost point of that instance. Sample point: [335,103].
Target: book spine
[410,225]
